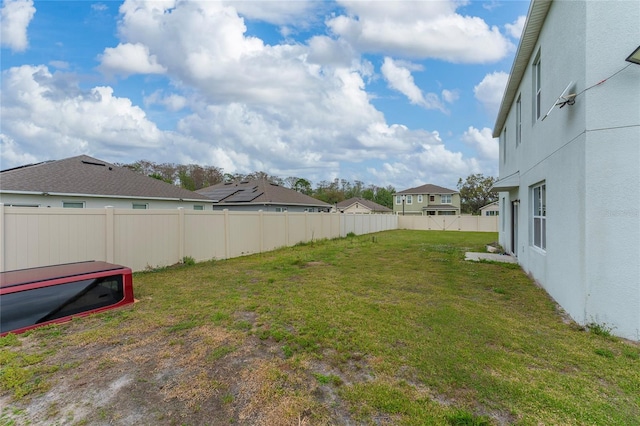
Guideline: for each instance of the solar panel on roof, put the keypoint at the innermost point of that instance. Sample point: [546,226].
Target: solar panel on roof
[220,193]
[244,196]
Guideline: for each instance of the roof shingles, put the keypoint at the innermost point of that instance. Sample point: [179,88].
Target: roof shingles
[88,176]
[269,193]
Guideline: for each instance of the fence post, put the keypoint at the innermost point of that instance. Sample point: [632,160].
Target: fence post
[109,234]
[261,229]
[286,228]
[226,233]
[3,237]
[180,234]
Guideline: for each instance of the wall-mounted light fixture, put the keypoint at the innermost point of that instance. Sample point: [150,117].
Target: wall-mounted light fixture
[634,57]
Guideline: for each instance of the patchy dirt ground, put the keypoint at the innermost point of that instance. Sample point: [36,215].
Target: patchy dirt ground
[201,376]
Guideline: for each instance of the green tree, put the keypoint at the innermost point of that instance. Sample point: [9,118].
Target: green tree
[475,192]
[304,186]
[329,192]
[384,196]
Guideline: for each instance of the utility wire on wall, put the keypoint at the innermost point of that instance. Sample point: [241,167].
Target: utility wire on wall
[602,81]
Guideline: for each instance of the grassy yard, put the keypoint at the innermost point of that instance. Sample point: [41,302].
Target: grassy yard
[390,328]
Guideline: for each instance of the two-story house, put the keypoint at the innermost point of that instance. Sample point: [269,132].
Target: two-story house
[428,200]
[569,180]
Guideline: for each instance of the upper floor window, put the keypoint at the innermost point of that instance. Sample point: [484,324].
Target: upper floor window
[398,199]
[539,203]
[140,206]
[409,199]
[537,87]
[198,207]
[73,204]
[432,198]
[445,198]
[419,198]
[519,120]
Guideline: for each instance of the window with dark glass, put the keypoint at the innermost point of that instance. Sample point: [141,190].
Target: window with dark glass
[39,305]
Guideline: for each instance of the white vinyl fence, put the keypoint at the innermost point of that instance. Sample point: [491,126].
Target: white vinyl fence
[467,223]
[141,239]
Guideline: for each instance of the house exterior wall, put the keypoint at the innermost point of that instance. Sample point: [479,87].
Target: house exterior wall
[92,202]
[357,208]
[588,155]
[418,207]
[493,207]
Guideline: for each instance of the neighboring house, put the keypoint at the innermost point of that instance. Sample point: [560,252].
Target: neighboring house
[361,206]
[570,180]
[491,209]
[86,182]
[262,195]
[428,200]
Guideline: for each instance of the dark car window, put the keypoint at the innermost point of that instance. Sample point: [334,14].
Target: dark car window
[29,307]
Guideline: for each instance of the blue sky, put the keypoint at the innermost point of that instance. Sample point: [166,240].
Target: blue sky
[384,92]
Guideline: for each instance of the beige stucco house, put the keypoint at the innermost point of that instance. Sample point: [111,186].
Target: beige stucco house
[357,205]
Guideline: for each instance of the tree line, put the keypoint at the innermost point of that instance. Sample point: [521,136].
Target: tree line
[475,190]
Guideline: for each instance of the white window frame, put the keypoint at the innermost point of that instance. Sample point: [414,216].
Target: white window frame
[519,121]
[539,216]
[504,151]
[280,209]
[446,198]
[419,198]
[398,199]
[537,87]
[409,199]
[198,207]
[73,204]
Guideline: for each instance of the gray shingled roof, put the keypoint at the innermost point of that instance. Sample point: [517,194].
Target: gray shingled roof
[258,191]
[373,206]
[428,189]
[89,176]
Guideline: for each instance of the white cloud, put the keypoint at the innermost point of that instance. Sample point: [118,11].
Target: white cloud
[324,50]
[399,78]
[419,29]
[433,163]
[15,17]
[291,109]
[274,11]
[128,59]
[483,142]
[51,115]
[515,29]
[490,90]
[171,102]
[450,96]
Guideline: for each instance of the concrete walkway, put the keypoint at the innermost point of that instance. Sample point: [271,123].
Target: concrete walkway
[489,256]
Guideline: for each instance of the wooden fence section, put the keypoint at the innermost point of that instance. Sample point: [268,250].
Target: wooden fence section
[141,239]
[449,223]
